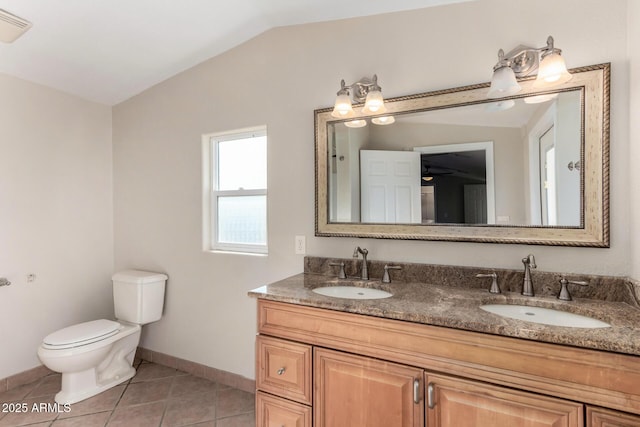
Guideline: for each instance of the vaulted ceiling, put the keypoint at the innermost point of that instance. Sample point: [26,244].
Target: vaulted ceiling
[109,50]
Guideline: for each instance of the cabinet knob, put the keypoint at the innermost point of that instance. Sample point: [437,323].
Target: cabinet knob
[281,371]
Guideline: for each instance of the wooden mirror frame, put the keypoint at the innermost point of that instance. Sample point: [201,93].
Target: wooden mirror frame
[594,81]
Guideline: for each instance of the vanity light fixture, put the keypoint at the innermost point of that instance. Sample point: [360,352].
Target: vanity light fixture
[500,105]
[355,123]
[525,61]
[503,82]
[364,90]
[384,120]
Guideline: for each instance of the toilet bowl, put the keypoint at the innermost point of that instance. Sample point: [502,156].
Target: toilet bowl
[97,355]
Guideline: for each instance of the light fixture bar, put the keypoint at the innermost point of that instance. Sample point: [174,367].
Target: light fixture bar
[524,61]
[364,90]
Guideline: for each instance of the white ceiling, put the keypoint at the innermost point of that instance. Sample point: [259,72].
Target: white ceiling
[109,50]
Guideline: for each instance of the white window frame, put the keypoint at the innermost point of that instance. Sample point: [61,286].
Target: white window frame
[211,193]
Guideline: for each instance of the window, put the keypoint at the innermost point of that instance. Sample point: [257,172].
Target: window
[236,191]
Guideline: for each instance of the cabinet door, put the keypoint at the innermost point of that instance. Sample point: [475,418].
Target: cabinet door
[273,411]
[599,417]
[358,391]
[455,402]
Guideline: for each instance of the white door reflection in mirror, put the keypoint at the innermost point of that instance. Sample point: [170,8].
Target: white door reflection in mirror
[390,187]
[554,195]
[548,181]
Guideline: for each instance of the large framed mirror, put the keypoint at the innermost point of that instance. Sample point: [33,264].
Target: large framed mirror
[453,165]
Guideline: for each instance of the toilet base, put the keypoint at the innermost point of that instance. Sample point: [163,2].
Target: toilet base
[106,366]
[82,385]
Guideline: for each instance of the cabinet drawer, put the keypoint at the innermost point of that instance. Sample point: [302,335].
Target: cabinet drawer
[600,417]
[274,411]
[284,368]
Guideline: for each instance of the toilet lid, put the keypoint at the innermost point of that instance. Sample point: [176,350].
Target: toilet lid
[82,333]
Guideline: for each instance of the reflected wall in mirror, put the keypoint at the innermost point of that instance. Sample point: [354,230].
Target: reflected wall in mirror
[453,165]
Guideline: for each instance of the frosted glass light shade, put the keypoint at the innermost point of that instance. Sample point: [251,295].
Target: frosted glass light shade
[552,71]
[384,120]
[503,83]
[342,108]
[356,123]
[374,103]
[500,105]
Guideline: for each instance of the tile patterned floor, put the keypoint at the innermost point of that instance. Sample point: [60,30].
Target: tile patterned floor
[156,396]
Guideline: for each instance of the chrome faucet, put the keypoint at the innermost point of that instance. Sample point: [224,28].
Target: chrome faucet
[527,286]
[364,271]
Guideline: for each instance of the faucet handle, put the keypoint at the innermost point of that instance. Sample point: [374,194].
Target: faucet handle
[385,277]
[564,294]
[341,274]
[495,289]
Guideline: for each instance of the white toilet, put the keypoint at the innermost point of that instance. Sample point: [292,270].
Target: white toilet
[95,356]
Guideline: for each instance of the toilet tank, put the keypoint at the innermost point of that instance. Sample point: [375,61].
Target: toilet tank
[138,296]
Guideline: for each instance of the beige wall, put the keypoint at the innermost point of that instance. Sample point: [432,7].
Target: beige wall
[633,49]
[278,79]
[56,216]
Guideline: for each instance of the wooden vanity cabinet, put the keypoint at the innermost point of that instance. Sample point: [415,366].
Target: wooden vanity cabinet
[600,417]
[366,370]
[284,368]
[283,379]
[455,402]
[273,411]
[354,391]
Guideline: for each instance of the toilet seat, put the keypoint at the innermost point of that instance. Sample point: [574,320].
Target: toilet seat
[81,334]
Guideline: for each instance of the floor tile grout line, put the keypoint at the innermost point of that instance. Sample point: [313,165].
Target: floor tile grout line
[126,386]
[163,413]
[166,400]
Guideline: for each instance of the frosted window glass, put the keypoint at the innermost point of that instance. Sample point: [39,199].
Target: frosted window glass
[242,219]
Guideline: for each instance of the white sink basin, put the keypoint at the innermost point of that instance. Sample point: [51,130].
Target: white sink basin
[544,315]
[352,292]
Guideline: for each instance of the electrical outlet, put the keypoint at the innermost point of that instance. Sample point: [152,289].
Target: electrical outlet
[300,245]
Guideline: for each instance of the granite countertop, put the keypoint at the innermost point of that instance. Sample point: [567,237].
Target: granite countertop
[459,308]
